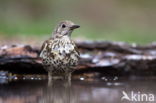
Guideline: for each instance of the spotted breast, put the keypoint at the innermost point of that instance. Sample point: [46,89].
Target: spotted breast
[59,54]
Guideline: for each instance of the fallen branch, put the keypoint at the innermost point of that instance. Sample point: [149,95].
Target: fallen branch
[100,58]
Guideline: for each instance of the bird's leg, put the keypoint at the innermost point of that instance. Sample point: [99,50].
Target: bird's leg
[68,76]
[50,78]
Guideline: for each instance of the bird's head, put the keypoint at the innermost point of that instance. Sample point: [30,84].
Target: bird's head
[65,28]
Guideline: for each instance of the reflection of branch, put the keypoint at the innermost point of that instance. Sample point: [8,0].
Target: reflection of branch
[110,58]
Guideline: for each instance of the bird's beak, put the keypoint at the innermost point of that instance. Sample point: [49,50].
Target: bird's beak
[74,26]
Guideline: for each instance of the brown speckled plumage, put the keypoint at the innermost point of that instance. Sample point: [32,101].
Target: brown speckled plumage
[59,53]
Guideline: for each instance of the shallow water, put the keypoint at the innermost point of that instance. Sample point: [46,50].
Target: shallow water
[79,91]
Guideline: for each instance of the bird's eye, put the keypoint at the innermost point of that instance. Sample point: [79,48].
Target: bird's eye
[63,26]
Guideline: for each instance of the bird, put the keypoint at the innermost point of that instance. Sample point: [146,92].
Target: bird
[59,53]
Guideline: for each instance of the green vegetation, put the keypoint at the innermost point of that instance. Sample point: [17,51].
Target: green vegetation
[41,28]
[128,21]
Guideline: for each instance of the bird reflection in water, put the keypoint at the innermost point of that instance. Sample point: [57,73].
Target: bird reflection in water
[58,92]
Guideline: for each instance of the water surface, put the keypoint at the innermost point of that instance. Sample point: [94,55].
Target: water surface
[80,91]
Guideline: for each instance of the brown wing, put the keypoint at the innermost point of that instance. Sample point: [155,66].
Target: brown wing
[43,48]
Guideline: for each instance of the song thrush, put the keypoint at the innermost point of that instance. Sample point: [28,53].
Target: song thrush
[59,53]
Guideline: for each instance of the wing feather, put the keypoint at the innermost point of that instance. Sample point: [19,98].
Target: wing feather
[43,48]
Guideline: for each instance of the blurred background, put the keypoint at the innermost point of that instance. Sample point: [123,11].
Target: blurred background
[32,21]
